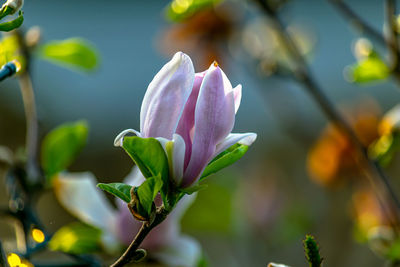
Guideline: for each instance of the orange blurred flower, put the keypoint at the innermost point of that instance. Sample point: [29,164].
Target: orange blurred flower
[332,157]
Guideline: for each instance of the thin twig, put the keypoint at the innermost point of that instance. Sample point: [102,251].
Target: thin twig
[130,252]
[28,97]
[391,40]
[358,22]
[303,75]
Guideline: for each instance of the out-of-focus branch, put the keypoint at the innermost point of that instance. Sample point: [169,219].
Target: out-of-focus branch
[304,76]
[392,40]
[28,97]
[357,21]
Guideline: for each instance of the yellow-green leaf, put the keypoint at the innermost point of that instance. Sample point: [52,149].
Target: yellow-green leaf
[75,53]
[371,68]
[76,238]
[61,146]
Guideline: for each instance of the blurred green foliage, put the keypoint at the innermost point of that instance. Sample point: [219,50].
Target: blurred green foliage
[76,238]
[61,146]
[212,211]
[369,69]
[74,53]
[384,149]
[179,10]
[9,50]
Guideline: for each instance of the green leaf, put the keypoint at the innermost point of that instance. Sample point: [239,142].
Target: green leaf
[384,149]
[147,192]
[76,238]
[75,53]
[119,190]
[148,155]
[311,250]
[13,24]
[371,68]
[224,159]
[179,10]
[61,146]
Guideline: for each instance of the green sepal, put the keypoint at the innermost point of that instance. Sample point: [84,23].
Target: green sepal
[74,53]
[119,190]
[149,156]
[76,238]
[13,24]
[224,159]
[147,192]
[61,146]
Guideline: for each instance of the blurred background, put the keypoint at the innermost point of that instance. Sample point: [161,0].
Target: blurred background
[296,179]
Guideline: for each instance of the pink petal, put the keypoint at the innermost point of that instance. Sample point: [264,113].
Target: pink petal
[186,123]
[166,96]
[214,120]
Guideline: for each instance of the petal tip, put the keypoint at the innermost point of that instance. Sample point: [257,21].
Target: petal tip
[119,140]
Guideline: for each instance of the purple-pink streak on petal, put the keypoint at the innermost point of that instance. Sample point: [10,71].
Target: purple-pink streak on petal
[214,120]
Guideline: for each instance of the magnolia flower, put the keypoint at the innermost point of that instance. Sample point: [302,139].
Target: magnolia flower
[79,195]
[190,114]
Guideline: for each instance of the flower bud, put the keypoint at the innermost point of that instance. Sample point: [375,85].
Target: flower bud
[15,5]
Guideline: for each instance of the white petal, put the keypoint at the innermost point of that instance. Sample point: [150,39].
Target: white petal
[166,97]
[175,151]
[79,195]
[119,140]
[272,264]
[233,138]
[237,93]
[184,251]
[135,177]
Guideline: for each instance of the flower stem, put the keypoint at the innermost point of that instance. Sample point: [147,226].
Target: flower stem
[130,252]
[357,21]
[304,76]
[28,98]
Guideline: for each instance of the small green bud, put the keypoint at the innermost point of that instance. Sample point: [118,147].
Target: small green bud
[14,5]
[311,250]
